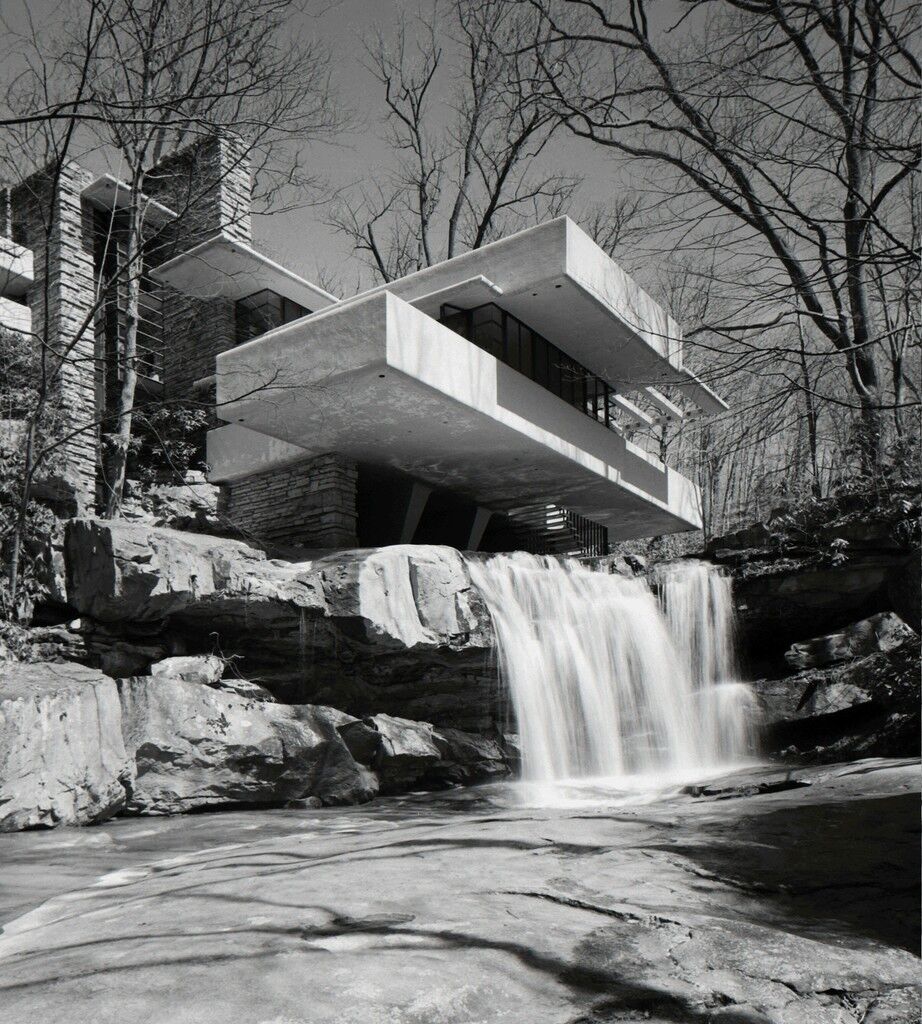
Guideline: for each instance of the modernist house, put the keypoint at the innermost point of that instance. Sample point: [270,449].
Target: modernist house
[488,402]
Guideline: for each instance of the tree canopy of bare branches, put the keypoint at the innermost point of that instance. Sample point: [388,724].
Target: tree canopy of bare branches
[780,138]
[467,132]
[140,78]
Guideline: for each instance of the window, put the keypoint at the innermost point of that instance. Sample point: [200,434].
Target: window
[263,311]
[504,336]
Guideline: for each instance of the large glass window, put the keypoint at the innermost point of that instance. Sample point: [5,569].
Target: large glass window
[263,311]
[504,336]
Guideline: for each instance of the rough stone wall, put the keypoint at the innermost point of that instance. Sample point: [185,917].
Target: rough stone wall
[309,504]
[64,262]
[209,185]
[194,332]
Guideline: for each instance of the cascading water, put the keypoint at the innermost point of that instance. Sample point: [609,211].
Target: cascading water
[697,601]
[602,683]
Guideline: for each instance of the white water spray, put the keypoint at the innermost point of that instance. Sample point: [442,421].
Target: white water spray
[602,683]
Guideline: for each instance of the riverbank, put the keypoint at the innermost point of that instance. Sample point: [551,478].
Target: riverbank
[771,895]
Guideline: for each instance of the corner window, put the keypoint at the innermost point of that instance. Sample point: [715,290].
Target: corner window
[264,311]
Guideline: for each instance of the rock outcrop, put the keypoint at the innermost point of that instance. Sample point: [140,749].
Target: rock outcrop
[827,598]
[810,572]
[62,759]
[864,707]
[407,754]
[399,630]
[205,669]
[884,632]
[196,747]
[77,747]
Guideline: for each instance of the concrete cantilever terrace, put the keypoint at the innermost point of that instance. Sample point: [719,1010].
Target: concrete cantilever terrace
[379,380]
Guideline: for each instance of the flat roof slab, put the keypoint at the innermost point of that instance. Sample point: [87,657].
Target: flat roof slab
[225,268]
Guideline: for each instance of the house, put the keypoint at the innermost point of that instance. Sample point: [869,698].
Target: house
[488,402]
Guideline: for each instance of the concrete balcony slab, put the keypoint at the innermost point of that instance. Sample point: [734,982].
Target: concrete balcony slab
[224,268]
[16,269]
[378,381]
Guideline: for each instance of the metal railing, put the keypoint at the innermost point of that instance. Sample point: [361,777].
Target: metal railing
[517,345]
[560,531]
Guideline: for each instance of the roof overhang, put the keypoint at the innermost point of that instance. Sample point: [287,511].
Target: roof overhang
[380,382]
[555,279]
[17,273]
[224,268]
[697,392]
[109,193]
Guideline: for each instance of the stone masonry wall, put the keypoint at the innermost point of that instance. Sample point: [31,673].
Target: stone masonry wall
[64,281]
[307,504]
[194,332]
[209,185]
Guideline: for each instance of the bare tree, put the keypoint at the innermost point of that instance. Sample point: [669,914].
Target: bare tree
[468,135]
[780,134]
[144,78]
[165,72]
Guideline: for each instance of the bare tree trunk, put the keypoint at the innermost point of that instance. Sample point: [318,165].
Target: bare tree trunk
[117,461]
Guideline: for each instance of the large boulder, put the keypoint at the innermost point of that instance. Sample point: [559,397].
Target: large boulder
[398,630]
[62,758]
[197,747]
[883,632]
[126,572]
[205,669]
[406,754]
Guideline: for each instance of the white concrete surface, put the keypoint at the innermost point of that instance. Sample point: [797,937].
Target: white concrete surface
[108,193]
[15,316]
[377,380]
[16,269]
[222,267]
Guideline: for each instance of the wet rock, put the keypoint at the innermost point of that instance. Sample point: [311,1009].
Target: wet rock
[198,747]
[363,740]
[407,752]
[863,708]
[62,759]
[883,632]
[467,757]
[789,602]
[204,669]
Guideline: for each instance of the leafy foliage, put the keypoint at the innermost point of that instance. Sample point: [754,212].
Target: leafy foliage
[167,441]
[19,363]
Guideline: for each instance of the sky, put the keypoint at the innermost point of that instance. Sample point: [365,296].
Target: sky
[300,238]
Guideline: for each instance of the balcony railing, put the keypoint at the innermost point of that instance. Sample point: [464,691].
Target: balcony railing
[264,311]
[517,345]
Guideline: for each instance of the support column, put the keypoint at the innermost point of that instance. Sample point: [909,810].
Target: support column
[478,528]
[419,496]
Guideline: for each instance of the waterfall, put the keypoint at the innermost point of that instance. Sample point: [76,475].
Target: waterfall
[603,684]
